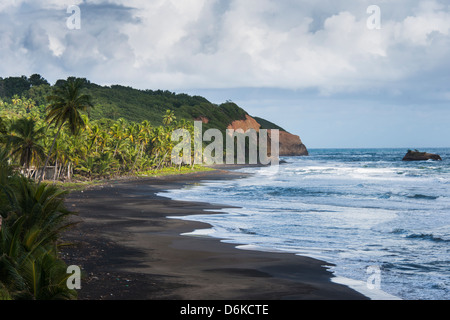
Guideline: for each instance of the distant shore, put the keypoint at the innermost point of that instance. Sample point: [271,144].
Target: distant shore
[127,249]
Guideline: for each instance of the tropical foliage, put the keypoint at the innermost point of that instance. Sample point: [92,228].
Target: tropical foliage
[76,130]
[31,219]
[62,135]
[93,131]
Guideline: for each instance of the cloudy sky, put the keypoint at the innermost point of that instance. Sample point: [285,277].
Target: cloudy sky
[320,69]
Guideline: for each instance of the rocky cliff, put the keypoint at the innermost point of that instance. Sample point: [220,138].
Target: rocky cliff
[290,145]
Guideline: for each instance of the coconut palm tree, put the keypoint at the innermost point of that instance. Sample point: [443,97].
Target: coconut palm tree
[25,141]
[94,136]
[143,136]
[117,132]
[66,103]
[16,100]
[157,143]
[162,143]
[169,117]
[29,104]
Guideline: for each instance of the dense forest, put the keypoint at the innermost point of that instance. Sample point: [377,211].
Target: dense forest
[114,102]
[120,130]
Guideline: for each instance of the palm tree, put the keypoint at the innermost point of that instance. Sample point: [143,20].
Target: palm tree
[16,100]
[25,142]
[95,134]
[117,131]
[162,143]
[3,129]
[7,178]
[29,262]
[143,135]
[29,104]
[169,117]
[65,106]
[157,143]
[71,154]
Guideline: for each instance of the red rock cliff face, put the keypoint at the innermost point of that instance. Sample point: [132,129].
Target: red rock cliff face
[248,123]
[290,145]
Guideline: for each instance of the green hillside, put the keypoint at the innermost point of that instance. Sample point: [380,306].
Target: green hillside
[116,101]
[86,130]
[265,124]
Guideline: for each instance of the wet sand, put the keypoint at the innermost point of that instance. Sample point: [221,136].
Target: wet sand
[128,250]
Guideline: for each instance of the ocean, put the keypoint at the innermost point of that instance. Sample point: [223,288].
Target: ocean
[383,223]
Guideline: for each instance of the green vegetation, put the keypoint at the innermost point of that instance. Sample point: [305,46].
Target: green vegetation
[89,132]
[25,140]
[65,106]
[265,124]
[70,136]
[72,133]
[31,219]
[114,102]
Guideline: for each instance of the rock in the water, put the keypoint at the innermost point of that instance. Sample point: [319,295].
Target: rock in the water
[420,156]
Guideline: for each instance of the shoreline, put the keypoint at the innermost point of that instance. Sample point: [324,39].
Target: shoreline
[128,249]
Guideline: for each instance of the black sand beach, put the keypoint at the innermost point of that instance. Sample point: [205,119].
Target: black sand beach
[128,250]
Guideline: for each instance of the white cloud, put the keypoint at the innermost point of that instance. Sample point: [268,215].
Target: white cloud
[273,46]
[56,46]
[215,43]
[417,29]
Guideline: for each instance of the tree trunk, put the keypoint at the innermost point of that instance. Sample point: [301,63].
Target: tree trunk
[49,154]
[61,167]
[137,156]
[69,176]
[164,158]
[56,170]
[115,150]
[156,157]
[24,171]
